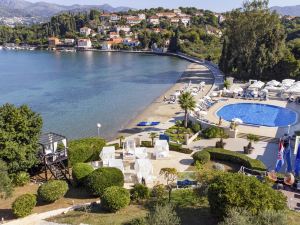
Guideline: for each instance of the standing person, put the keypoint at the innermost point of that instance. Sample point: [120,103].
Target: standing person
[220,121]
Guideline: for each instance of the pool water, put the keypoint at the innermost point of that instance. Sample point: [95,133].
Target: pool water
[258,114]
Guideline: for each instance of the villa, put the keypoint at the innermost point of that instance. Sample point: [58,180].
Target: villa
[142,16]
[113,35]
[133,21]
[166,14]
[85,31]
[114,18]
[154,20]
[175,20]
[126,29]
[185,20]
[84,43]
[69,41]
[53,41]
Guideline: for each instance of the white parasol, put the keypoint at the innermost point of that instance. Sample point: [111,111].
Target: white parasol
[237,120]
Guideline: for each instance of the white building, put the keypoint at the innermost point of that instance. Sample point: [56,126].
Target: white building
[142,16]
[113,35]
[114,18]
[126,29]
[84,43]
[69,41]
[177,11]
[133,21]
[185,20]
[85,31]
[153,20]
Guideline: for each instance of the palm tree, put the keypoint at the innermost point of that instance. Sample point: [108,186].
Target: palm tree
[178,125]
[187,103]
[153,136]
[252,138]
[121,138]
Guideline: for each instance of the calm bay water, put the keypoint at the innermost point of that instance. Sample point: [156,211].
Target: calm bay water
[75,91]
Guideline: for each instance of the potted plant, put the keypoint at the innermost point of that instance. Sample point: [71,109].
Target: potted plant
[221,143]
[252,138]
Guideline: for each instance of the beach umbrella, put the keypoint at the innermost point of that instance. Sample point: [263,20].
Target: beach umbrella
[294,89]
[280,160]
[257,84]
[273,83]
[297,162]
[237,120]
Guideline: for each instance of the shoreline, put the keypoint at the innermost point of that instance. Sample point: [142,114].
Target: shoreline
[158,111]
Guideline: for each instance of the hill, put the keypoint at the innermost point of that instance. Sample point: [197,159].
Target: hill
[287,10]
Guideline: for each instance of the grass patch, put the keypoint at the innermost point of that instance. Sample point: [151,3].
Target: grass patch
[100,217]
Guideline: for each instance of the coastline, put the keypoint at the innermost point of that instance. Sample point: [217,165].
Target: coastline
[159,111]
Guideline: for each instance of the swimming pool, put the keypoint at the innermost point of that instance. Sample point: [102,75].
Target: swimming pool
[258,114]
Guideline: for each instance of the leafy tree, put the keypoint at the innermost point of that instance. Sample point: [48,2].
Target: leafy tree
[254,41]
[6,187]
[229,190]
[20,129]
[187,103]
[121,138]
[170,175]
[252,138]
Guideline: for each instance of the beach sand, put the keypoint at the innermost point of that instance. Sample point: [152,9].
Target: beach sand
[162,112]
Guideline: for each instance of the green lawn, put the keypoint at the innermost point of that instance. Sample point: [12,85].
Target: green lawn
[98,217]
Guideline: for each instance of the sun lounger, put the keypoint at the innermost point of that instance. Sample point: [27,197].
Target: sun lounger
[147,124]
[186,184]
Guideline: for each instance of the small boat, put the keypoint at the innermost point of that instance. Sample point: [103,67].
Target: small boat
[147,124]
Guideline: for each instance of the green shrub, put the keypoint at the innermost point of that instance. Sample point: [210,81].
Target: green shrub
[52,190]
[243,217]
[137,221]
[163,215]
[139,192]
[24,205]
[85,150]
[102,178]
[20,179]
[146,144]
[233,190]
[80,171]
[196,127]
[213,132]
[202,157]
[115,198]
[235,157]
[158,191]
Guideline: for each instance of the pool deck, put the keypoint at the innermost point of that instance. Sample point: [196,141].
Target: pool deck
[258,130]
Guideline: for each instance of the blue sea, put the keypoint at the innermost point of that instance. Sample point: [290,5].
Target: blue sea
[75,91]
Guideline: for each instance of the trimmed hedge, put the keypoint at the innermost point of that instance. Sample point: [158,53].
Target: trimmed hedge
[80,171]
[102,178]
[116,145]
[85,150]
[24,205]
[202,157]
[178,148]
[233,157]
[115,198]
[53,190]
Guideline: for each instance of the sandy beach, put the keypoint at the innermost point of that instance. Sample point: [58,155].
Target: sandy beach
[162,112]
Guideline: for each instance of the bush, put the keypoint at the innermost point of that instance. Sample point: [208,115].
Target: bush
[102,178]
[233,190]
[219,167]
[21,178]
[80,171]
[196,127]
[235,157]
[178,148]
[202,157]
[139,192]
[85,150]
[163,215]
[52,190]
[115,198]
[213,132]
[24,205]
[146,144]
[137,221]
[158,191]
[6,187]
